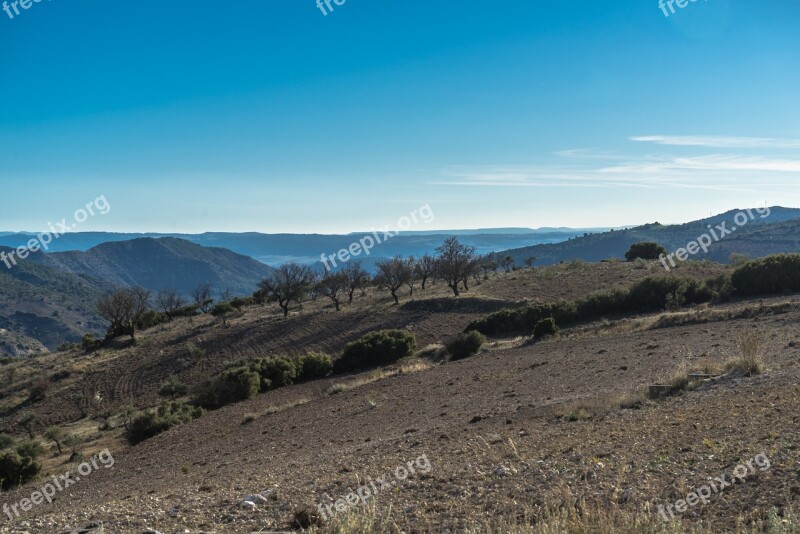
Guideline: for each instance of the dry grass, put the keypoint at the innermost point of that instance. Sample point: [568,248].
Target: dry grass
[752,350]
[285,406]
[569,516]
[591,408]
[412,365]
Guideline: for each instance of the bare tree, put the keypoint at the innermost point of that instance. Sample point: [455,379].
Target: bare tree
[507,263]
[202,297]
[455,262]
[27,421]
[393,274]
[530,261]
[169,301]
[334,286]
[488,265]
[425,268]
[290,282]
[412,275]
[123,309]
[357,278]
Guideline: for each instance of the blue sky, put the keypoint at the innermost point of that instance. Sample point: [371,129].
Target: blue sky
[266,115]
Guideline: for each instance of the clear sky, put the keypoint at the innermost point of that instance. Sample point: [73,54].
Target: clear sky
[266,115]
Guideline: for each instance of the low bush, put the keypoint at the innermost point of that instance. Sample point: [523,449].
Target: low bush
[314,365]
[166,416]
[173,387]
[544,328]
[645,251]
[648,295]
[17,469]
[768,276]
[275,371]
[232,385]
[465,345]
[375,349]
[241,302]
[151,318]
[88,342]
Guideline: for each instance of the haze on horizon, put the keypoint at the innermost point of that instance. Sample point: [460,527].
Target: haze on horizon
[271,117]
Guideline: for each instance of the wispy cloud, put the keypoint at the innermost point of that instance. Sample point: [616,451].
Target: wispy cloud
[718,142]
[587,168]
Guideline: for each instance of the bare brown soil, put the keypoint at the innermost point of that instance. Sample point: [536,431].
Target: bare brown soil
[496,427]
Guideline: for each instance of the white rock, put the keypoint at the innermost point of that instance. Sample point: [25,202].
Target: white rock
[257,499]
[247,505]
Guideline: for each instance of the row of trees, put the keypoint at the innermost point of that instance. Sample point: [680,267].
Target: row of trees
[453,263]
[127,309]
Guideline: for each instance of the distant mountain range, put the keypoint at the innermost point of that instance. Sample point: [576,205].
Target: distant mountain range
[165,263]
[50,298]
[274,249]
[777,233]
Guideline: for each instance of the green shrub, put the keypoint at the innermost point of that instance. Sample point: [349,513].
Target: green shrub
[544,328]
[151,318]
[223,311]
[232,385]
[17,469]
[645,251]
[241,302]
[375,349]
[466,345]
[768,276]
[173,387]
[30,448]
[276,372]
[6,441]
[314,365]
[88,342]
[193,310]
[648,295]
[166,416]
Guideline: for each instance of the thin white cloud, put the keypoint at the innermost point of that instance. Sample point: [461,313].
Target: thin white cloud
[590,168]
[718,141]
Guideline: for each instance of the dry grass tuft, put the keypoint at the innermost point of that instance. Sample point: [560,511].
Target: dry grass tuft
[413,365]
[752,349]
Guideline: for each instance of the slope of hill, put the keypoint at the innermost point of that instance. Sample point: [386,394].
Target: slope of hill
[162,263]
[508,433]
[774,234]
[41,307]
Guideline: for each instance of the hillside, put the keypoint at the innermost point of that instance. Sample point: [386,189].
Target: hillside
[40,308]
[161,263]
[50,299]
[774,234]
[510,431]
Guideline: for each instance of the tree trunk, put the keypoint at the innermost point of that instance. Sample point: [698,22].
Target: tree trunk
[394,294]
